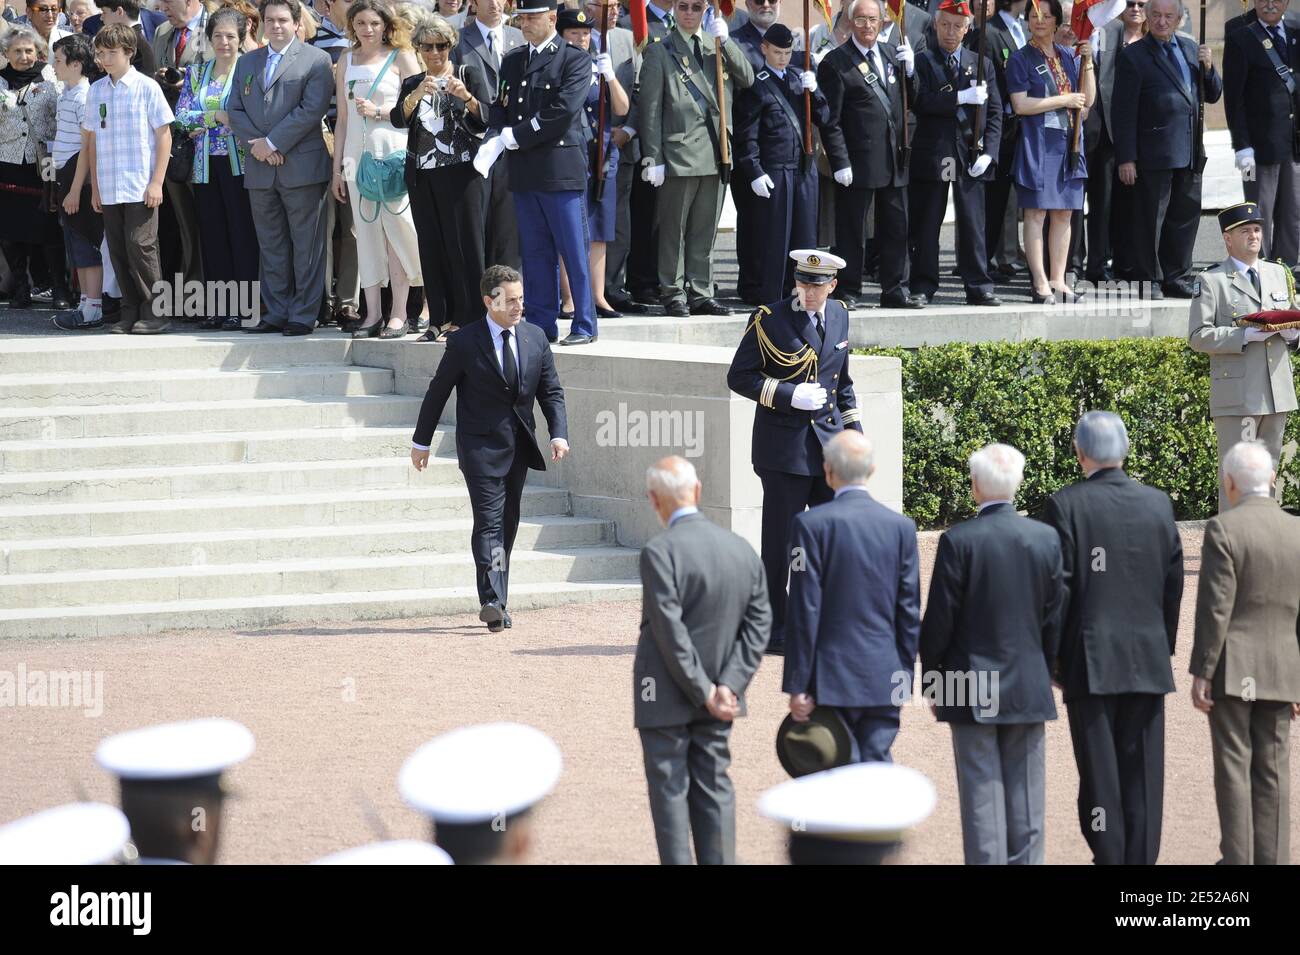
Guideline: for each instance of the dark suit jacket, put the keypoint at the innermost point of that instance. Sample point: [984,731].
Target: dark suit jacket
[938,137]
[415,131]
[1123,562]
[472,50]
[1154,121]
[853,619]
[766,137]
[996,597]
[1261,112]
[1104,60]
[544,104]
[705,620]
[487,419]
[998,48]
[861,133]
[149,23]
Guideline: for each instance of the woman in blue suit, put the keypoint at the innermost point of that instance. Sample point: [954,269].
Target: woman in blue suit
[1051,88]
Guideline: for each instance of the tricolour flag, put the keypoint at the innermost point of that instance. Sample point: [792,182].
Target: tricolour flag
[1089,15]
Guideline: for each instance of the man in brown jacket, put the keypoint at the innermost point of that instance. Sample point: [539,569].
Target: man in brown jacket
[1246,657]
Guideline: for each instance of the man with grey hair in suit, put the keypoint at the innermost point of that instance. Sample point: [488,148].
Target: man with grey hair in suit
[278,99]
[704,624]
[988,644]
[1246,658]
[1123,570]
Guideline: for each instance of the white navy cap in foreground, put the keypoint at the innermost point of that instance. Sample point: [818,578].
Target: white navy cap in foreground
[182,750]
[478,773]
[396,852]
[875,802]
[80,833]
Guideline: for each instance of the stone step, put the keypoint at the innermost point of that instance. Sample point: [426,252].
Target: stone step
[198,448]
[185,483]
[343,607]
[298,543]
[103,421]
[315,576]
[225,351]
[184,385]
[325,508]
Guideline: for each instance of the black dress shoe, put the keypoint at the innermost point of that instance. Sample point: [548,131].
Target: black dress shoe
[1180,289]
[645,296]
[709,306]
[607,313]
[625,304]
[494,615]
[508,621]
[576,339]
[899,300]
[982,298]
[677,310]
[264,328]
[294,329]
[232,324]
[1035,298]
[151,326]
[850,300]
[212,324]
[61,302]
[368,331]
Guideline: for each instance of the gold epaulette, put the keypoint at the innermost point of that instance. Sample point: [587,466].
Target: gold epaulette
[801,362]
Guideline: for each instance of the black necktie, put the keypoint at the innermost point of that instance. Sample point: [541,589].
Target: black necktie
[1254,280]
[508,366]
[952,64]
[817,324]
[699,54]
[1277,38]
[875,65]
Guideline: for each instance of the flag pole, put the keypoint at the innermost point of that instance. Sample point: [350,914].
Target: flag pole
[601,100]
[724,146]
[807,97]
[980,110]
[905,154]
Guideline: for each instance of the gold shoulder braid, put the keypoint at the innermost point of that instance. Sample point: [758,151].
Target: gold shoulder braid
[1290,282]
[803,361]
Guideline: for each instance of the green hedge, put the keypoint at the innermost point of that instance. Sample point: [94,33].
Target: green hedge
[959,397]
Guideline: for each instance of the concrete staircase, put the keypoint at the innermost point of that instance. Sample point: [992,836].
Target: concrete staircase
[226,480]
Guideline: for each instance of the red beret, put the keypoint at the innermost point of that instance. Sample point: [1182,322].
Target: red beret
[959,7]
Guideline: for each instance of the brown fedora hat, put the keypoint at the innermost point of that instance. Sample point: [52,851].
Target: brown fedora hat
[823,741]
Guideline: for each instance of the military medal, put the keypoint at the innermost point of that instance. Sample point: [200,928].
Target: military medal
[248,84]
[1268,44]
[103,116]
[351,83]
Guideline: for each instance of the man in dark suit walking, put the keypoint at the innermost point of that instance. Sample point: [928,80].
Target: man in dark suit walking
[704,624]
[498,369]
[1158,146]
[1123,565]
[988,644]
[863,83]
[853,619]
[1260,96]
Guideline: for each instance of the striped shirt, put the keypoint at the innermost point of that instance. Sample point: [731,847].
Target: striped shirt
[123,117]
[67,138]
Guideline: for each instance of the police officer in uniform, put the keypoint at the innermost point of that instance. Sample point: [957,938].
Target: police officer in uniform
[1251,384]
[950,147]
[794,361]
[540,119]
[779,176]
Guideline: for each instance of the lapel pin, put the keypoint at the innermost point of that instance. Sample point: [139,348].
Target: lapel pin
[103,116]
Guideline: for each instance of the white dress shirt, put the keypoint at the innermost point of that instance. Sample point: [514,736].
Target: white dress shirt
[872,55]
[851,487]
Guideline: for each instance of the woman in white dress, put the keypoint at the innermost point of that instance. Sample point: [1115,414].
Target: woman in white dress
[370,77]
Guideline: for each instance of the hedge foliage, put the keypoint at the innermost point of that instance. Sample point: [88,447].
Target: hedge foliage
[959,397]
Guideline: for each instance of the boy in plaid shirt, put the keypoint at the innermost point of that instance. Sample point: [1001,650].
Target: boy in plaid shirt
[127,141]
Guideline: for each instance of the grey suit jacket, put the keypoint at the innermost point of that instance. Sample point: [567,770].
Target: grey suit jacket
[197,47]
[627,66]
[473,50]
[705,620]
[288,112]
[1247,605]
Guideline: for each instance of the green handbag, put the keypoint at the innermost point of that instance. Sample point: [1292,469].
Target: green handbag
[381,180]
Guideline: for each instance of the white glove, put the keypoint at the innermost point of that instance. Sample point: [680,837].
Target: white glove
[808,396]
[763,186]
[508,138]
[1259,334]
[1290,334]
[980,166]
[605,65]
[1245,159]
[654,175]
[718,27]
[808,79]
[844,177]
[488,154]
[973,95]
[908,57]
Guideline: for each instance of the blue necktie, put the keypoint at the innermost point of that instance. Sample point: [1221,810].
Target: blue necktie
[272,61]
[1180,65]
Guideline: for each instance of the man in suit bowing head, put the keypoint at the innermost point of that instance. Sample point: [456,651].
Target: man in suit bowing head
[498,369]
[704,623]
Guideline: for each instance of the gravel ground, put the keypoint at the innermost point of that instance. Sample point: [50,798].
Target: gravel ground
[336,709]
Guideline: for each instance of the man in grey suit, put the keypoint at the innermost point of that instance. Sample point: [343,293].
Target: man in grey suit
[704,623]
[988,642]
[277,101]
[484,42]
[1246,658]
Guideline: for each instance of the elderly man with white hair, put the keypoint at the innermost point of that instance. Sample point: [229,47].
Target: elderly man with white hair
[988,644]
[1246,658]
[853,618]
[1123,564]
[705,620]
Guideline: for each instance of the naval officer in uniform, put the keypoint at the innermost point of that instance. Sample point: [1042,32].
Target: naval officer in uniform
[779,176]
[540,120]
[794,361]
[1251,385]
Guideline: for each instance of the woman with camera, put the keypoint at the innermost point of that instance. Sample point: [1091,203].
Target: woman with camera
[445,113]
